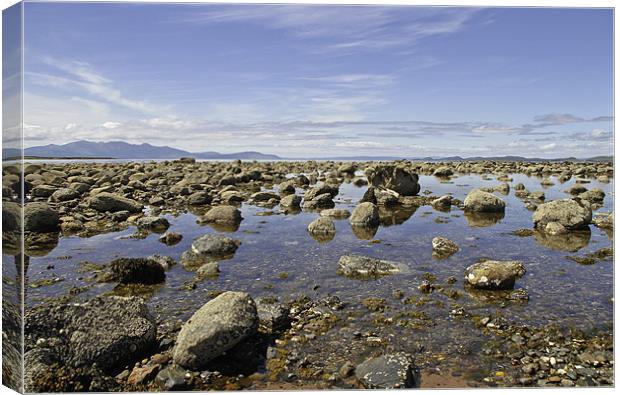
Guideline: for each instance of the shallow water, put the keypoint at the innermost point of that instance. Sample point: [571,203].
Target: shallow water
[279,258]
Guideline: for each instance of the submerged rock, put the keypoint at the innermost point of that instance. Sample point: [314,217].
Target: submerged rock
[442,203]
[569,213]
[171,238]
[106,201]
[480,201]
[388,371]
[443,247]
[494,275]
[336,213]
[154,224]
[366,267]
[215,328]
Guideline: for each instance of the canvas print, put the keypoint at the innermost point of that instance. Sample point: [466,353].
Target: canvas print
[202,196]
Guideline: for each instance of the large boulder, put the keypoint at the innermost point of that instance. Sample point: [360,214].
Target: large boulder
[64,194]
[365,214]
[138,270]
[11,217]
[215,328]
[106,201]
[569,213]
[484,202]
[396,178]
[108,331]
[388,371]
[494,275]
[40,217]
[358,266]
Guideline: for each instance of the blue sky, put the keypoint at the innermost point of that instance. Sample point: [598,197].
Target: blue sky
[308,81]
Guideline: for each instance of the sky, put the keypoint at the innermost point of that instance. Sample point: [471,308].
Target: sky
[316,81]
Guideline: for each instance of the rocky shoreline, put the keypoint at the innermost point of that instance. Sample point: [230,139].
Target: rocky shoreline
[237,341]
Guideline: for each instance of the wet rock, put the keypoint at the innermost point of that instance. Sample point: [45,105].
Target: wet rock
[594,195]
[171,238]
[365,214]
[40,217]
[11,217]
[272,317]
[555,228]
[604,221]
[317,191]
[215,245]
[215,328]
[142,375]
[322,226]
[106,201]
[137,270]
[209,269]
[480,201]
[494,275]
[336,213]
[443,171]
[388,371]
[264,196]
[287,188]
[108,331]
[165,261]
[569,213]
[290,201]
[442,203]
[443,247]
[222,215]
[393,177]
[171,378]
[154,224]
[366,267]
[318,202]
[576,189]
[43,191]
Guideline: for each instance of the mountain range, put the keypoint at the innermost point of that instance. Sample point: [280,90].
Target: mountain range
[123,150]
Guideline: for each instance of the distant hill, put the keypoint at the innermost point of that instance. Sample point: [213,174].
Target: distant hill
[122,150]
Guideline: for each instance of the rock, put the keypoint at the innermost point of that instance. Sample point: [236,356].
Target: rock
[388,371]
[106,201]
[366,267]
[480,201]
[365,214]
[223,215]
[171,378]
[199,198]
[317,191]
[555,228]
[336,213]
[215,245]
[494,275]
[322,226]
[64,194]
[171,238]
[142,375]
[40,217]
[215,328]
[443,171]
[209,269]
[576,189]
[318,202]
[386,197]
[290,201]
[442,203]
[154,224]
[11,217]
[443,247]
[347,168]
[138,270]
[346,370]
[272,316]
[165,261]
[264,196]
[43,191]
[287,188]
[396,178]
[594,195]
[108,331]
[566,212]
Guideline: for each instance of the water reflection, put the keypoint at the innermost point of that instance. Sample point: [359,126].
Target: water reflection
[395,215]
[481,220]
[364,232]
[570,242]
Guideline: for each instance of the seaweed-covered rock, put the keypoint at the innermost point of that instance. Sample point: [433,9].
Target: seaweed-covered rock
[108,331]
[138,270]
[215,328]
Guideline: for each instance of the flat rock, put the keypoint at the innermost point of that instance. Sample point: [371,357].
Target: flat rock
[388,371]
[494,275]
[106,201]
[366,267]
